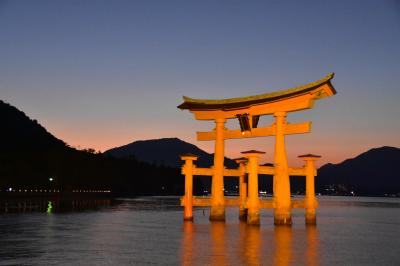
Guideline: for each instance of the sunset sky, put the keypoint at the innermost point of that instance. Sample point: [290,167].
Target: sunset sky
[100,74]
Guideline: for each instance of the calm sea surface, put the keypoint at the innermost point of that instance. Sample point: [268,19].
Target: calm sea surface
[150,231]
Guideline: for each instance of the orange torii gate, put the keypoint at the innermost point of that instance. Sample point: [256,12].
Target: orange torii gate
[248,111]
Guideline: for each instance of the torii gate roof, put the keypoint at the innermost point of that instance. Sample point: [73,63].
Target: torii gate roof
[319,89]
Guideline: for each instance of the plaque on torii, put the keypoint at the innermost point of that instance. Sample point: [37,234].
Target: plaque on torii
[248,111]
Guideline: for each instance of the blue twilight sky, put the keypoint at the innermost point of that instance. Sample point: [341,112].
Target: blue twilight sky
[105,73]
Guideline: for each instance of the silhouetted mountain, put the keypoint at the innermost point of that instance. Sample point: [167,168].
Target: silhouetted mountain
[165,151]
[374,173]
[18,131]
[30,156]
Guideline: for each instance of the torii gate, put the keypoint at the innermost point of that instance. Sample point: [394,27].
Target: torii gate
[248,110]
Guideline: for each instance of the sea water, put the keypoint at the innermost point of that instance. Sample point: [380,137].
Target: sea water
[151,231]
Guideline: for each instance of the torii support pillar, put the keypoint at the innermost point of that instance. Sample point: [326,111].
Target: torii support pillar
[187,169]
[217,212]
[253,202]
[242,188]
[281,186]
[311,202]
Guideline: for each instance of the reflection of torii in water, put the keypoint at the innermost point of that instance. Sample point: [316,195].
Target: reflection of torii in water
[280,246]
[248,110]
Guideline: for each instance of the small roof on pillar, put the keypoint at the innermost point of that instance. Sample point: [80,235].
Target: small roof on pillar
[253,151]
[189,155]
[240,102]
[309,156]
[240,159]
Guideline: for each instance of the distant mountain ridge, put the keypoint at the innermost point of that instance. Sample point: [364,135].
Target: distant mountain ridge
[374,172]
[164,151]
[371,173]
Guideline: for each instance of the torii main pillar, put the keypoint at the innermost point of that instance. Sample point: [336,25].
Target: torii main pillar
[217,212]
[281,181]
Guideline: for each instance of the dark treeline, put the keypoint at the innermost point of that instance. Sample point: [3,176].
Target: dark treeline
[71,170]
[30,156]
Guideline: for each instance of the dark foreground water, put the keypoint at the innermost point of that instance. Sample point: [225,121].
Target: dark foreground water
[150,231]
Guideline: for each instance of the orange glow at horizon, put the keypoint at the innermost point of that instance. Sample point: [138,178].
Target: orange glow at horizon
[111,138]
[333,147]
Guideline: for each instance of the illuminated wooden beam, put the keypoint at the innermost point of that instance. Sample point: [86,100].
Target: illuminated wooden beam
[300,171]
[203,171]
[206,201]
[266,170]
[264,203]
[298,204]
[231,172]
[269,204]
[232,201]
[289,100]
[297,128]
[201,201]
[288,105]
[210,171]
